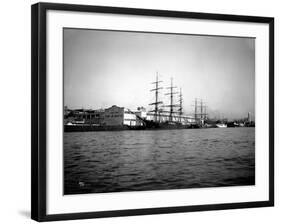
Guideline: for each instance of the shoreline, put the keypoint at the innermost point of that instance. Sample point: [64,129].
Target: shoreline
[91,128]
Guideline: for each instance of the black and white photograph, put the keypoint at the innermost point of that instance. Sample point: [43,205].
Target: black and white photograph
[141,111]
[157,111]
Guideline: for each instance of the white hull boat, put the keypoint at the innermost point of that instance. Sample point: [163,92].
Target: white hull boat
[221,125]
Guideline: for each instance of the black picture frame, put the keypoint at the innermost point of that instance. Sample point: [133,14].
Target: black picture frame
[38,109]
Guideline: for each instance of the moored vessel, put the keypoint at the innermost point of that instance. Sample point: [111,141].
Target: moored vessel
[221,125]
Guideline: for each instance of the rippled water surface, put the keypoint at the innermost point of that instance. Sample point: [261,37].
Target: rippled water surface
[96,162]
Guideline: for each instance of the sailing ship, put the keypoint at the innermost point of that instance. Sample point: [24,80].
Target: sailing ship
[171,116]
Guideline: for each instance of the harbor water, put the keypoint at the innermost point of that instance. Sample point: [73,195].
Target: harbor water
[115,161]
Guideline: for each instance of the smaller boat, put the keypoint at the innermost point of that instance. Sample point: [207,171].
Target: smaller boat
[221,125]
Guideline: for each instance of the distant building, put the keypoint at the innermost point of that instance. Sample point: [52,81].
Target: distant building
[82,116]
[115,116]
[141,112]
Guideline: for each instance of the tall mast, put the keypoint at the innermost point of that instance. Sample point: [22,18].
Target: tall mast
[202,114]
[172,105]
[156,103]
[205,112]
[180,109]
[201,109]
[195,110]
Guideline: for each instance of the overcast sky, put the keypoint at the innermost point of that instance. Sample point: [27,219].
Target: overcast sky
[105,68]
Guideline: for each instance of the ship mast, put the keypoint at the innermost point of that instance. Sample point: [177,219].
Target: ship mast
[195,110]
[205,112]
[202,114]
[180,109]
[156,103]
[201,110]
[172,105]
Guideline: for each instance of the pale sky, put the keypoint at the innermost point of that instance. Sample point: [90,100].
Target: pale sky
[105,68]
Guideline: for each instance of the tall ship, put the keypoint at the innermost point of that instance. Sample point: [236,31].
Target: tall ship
[169,116]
